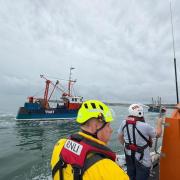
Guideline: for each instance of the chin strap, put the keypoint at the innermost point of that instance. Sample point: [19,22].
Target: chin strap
[104,124]
[94,134]
[88,133]
[101,119]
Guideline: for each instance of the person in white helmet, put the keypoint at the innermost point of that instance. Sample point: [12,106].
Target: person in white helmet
[136,136]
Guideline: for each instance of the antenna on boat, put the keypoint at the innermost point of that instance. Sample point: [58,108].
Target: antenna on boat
[174,54]
[70,81]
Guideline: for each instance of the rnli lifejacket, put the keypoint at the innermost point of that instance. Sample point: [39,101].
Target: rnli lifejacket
[131,145]
[75,152]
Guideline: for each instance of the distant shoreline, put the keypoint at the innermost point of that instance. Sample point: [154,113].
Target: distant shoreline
[169,106]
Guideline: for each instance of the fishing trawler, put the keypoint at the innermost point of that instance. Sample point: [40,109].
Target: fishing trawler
[66,107]
[156,106]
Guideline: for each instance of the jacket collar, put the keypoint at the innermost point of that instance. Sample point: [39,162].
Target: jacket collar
[92,138]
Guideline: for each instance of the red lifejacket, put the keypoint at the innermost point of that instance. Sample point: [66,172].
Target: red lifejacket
[75,153]
[131,145]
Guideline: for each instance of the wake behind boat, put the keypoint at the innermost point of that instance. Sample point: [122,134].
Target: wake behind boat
[66,107]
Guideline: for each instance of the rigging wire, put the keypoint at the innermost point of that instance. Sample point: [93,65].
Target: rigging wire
[172,30]
[38,92]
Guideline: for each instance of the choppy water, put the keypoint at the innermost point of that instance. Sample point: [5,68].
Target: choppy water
[26,147]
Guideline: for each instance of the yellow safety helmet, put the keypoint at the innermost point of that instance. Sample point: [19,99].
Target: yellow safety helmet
[96,109]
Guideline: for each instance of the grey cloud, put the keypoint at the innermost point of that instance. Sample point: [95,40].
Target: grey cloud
[122,50]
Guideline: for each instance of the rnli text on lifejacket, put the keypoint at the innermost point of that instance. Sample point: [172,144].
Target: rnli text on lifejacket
[73,147]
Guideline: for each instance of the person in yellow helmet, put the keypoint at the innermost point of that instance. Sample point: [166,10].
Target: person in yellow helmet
[85,155]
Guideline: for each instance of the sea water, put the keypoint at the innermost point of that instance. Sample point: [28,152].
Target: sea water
[26,147]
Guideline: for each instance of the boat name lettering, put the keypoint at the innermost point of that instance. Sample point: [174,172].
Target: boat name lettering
[49,111]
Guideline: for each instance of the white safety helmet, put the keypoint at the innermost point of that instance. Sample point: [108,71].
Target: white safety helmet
[136,110]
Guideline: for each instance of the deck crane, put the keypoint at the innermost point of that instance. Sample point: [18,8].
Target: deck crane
[46,91]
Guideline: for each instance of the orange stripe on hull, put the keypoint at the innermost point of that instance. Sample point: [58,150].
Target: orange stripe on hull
[74,106]
[170,160]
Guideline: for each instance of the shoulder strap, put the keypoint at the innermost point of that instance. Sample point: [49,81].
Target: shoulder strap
[59,166]
[129,138]
[128,133]
[134,135]
[76,137]
[77,172]
[147,141]
[123,127]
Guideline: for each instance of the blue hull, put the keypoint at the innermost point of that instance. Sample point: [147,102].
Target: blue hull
[42,114]
[156,109]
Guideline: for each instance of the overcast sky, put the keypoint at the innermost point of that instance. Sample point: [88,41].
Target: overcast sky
[121,49]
